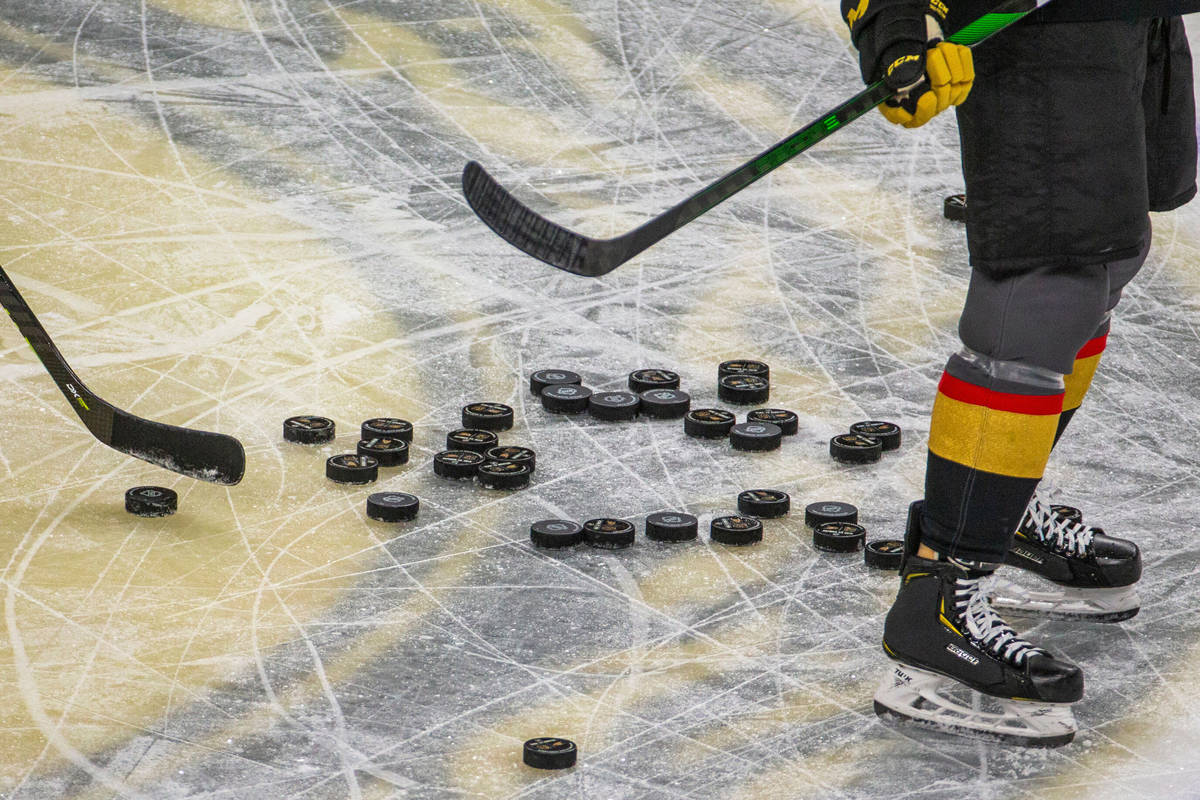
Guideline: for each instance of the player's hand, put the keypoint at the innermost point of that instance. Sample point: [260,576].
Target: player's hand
[901,43]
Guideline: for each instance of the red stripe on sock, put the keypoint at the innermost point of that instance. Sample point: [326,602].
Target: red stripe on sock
[1032,404]
[1093,348]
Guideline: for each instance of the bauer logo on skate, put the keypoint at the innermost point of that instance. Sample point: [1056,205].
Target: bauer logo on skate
[1028,556]
[963,654]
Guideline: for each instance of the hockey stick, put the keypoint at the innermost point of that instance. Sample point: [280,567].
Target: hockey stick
[559,247]
[212,457]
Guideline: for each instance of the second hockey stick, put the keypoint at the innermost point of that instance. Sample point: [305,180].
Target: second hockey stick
[529,231]
[212,457]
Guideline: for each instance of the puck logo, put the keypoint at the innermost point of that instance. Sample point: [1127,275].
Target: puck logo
[890,547]
[712,415]
[619,399]
[655,376]
[309,423]
[765,494]
[963,654]
[840,528]
[831,508]
[385,444]
[855,440]
[740,523]
[565,390]
[607,525]
[394,499]
[754,429]
[460,457]
[503,468]
[352,461]
[150,493]
[471,437]
[557,527]
[744,382]
[662,394]
[553,376]
[488,409]
[671,519]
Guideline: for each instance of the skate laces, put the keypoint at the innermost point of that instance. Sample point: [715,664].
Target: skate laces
[1065,535]
[985,626]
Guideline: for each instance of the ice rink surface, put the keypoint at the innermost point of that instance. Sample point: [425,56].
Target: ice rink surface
[228,212]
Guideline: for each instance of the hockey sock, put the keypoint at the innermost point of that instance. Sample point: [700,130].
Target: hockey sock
[987,451]
[1080,379]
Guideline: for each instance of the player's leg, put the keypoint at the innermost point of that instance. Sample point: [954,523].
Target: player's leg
[1039,246]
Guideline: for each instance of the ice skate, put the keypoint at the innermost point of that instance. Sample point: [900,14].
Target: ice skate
[1069,570]
[960,668]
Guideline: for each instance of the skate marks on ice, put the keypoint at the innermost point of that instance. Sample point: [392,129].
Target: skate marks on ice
[249,209]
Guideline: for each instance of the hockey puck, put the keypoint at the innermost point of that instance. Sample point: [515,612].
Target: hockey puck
[755,437]
[309,430]
[737,530]
[566,398]
[352,469]
[887,433]
[487,417]
[954,208]
[764,503]
[708,423]
[388,428]
[503,475]
[608,534]
[151,501]
[666,403]
[643,380]
[742,366]
[388,452]
[549,752]
[552,377]
[671,526]
[884,554]
[555,533]
[614,406]
[477,441]
[392,506]
[829,511]
[519,455]
[839,537]
[744,390]
[853,448]
[457,464]
[1068,512]
[787,421]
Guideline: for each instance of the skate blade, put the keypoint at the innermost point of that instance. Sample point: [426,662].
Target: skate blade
[922,698]
[1050,601]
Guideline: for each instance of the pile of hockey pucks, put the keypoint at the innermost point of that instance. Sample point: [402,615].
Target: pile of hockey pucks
[656,393]
[383,442]
[836,529]
[474,452]
[865,443]
[607,533]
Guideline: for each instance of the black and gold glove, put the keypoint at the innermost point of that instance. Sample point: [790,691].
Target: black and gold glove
[901,42]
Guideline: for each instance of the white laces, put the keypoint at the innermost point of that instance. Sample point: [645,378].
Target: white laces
[1065,535]
[986,627]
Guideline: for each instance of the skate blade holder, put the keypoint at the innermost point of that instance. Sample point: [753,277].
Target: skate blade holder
[916,696]
[1060,602]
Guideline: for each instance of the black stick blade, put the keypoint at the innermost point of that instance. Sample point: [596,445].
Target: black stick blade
[212,457]
[532,233]
[205,456]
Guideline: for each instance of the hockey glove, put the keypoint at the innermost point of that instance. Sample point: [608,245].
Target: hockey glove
[900,42]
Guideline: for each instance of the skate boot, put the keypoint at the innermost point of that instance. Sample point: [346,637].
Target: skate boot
[1074,571]
[960,668]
